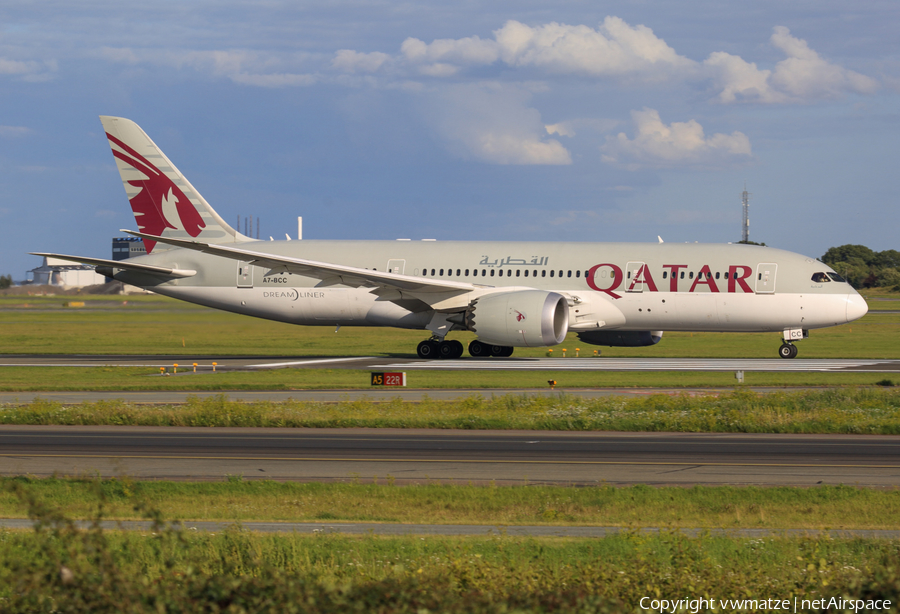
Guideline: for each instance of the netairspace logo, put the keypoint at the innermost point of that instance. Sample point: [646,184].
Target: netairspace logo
[837,604]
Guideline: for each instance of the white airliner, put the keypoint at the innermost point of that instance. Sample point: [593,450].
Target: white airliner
[510,294]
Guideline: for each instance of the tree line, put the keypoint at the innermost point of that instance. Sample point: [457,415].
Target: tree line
[865,268]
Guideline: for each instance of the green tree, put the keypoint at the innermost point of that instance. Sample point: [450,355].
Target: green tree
[847,253]
[5,281]
[865,268]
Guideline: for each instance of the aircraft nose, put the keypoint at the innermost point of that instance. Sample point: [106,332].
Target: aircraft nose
[856,307]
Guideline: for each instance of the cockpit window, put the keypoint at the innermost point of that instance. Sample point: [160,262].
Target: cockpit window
[821,278]
[837,277]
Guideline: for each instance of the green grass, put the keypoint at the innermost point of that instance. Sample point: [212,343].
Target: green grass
[157,325]
[57,568]
[836,410]
[235,500]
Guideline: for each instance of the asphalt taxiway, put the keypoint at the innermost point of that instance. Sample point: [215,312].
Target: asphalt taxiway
[428,455]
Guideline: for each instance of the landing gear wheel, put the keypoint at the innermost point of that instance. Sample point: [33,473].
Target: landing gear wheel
[450,349]
[788,350]
[501,351]
[479,349]
[427,349]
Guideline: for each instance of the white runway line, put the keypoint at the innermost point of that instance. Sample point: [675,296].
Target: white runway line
[273,365]
[655,364]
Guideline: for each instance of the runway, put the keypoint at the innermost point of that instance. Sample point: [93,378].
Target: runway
[421,455]
[601,363]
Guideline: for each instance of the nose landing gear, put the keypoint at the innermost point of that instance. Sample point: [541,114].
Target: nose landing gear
[788,350]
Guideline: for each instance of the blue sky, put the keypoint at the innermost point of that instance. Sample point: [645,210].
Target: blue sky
[581,121]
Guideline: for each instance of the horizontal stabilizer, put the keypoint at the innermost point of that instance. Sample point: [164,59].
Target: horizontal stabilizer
[123,265]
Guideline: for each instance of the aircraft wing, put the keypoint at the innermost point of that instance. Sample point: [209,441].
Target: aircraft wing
[125,266]
[330,274]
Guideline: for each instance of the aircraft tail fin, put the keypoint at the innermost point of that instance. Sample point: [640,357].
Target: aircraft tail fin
[163,201]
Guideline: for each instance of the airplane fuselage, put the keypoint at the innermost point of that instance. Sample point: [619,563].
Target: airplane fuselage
[626,286]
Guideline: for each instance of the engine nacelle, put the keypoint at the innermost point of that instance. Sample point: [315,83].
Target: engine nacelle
[523,318]
[625,338]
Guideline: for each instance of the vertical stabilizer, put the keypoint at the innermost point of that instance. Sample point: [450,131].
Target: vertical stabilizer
[163,200]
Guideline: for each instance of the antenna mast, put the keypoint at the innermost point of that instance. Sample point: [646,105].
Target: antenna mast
[745,226]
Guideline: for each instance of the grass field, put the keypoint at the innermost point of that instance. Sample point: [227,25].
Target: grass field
[158,325]
[235,500]
[836,410]
[60,569]
[56,570]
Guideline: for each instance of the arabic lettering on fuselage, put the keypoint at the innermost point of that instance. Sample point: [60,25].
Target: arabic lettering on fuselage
[510,261]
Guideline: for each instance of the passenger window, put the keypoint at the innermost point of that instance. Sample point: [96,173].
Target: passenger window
[568,273]
[442,272]
[682,275]
[518,272]
[467,272]
[560,273]
[691,276]
[526,272]
[726,274]
[820,278]
[665,274]
[717,275]
[432,272]
[544,274]
[577,273]
[492,272]
[837,277]
[551,273]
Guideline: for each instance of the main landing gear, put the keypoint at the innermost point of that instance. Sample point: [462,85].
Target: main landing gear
[437,348]
[479,349]
[445,348]
[788,350]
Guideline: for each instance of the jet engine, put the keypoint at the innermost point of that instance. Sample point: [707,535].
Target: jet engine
[627,338]
[524,318]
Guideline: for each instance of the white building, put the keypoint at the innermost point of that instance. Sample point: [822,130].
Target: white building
[56,272]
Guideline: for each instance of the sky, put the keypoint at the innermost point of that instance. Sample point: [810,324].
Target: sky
[564,121]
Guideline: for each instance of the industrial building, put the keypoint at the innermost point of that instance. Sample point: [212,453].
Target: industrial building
[67,274]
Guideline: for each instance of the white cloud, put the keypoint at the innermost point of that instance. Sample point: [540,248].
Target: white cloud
[30,70]
[13,131]
[273,80]
[347,60]
[678,144]
[471,50]
[614,48]
[239,65]
[493,123]
[803,76]
[562,129]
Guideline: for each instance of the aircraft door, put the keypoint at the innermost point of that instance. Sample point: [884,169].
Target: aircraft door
[396,266]
[765,277]
[244,274]
[634,277]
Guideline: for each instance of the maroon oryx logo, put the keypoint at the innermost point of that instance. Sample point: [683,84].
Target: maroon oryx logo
[519,315]
[159,204]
